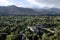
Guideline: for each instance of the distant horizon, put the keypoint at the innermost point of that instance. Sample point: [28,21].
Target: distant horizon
[31,7]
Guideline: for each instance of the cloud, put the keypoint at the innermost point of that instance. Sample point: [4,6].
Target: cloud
[8,3]
[31,3]
[4,3]
[45,3]
[21,3]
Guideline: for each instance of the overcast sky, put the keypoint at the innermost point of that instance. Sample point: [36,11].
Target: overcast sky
[31,3]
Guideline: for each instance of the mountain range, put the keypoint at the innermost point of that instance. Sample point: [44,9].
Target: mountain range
[14,10]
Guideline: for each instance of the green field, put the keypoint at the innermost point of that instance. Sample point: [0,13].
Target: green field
[22,27]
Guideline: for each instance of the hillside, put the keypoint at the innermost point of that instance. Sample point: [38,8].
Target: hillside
[14,10]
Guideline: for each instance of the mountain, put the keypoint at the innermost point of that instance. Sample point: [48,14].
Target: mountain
[49,11]
[14,10]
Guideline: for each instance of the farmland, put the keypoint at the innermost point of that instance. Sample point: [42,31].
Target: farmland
[29,27]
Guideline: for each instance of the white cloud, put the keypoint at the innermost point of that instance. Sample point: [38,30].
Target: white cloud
[37,3]
[4,3]
[45,3]
[34,2]
[8,2]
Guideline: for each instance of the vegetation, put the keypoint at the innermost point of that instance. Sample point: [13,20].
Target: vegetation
[29,27]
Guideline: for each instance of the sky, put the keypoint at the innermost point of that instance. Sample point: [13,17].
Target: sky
[31,3]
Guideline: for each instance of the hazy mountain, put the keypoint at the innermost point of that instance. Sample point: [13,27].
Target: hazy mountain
[14,10]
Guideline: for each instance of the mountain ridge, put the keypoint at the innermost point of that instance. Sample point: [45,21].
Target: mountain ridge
[14,10]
